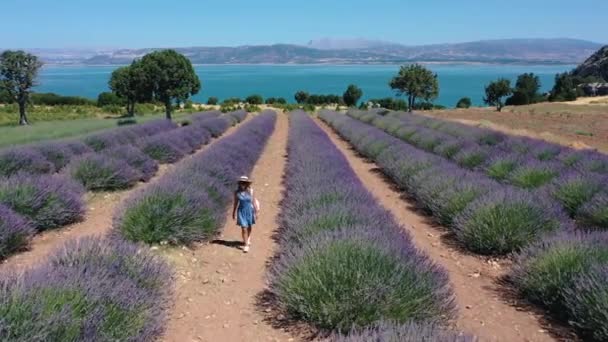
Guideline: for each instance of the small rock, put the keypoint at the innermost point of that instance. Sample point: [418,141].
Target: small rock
[154,248]
[468,307]
[194,259]
[268,310]
[280,317]
[223,280]
[542,331]
[430,235]
[180,316]
[206,281]
[475,275]
[190,300]
[207,317]
[255,322]
[218,271]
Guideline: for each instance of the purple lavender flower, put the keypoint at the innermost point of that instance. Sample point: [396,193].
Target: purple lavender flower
[15,232]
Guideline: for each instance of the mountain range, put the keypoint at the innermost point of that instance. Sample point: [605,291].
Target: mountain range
[353,51]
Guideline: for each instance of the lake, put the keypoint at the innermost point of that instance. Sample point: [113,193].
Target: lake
[222,81]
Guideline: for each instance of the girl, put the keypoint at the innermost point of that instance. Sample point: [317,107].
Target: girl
[245,210]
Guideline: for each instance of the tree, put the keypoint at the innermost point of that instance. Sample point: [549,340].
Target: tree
[526,90]
[131,83]
[415,81]
[254,99]
[109,99]
[301,97]
[212,101]
[496,91]
[171,77]
[271,100]
[564,88]
[18,72]
[281,100]
[464,102]
[352,95]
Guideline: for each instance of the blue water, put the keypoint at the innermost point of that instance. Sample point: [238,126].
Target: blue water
[222,81]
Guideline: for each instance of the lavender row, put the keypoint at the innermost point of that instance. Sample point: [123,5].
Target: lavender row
[487,217]
[576,179]
[189,204]
[89,290]
[343,261]
[31,203]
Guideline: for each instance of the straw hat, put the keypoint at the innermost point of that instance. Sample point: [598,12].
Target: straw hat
[245,179]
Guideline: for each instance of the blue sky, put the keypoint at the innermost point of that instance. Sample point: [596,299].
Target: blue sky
[161,23]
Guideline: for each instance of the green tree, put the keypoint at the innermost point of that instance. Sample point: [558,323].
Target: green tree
[526,90]
[352,95]
[254,99]
[281,100]
[496,91]
[564,88]
[415,81]
[271,100]
[171,77]
[109,99]
[132,84]
[18,72]
[301,97]
[464,102]
[212,101]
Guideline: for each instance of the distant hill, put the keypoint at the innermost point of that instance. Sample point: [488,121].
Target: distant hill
[595,66]
[358,51]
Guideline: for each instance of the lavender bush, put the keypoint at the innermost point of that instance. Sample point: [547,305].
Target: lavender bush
[408,332]
[58,153]
[92,290]
[574,189]
[505,221]
[533,174]
[586,300]
[136,159]
[15,232]
[545,270]
[189,204]
[365,267]
[45,201]
[217,126]
[99,172]
[23,159]
[239,115]
[594,213]
[162,149]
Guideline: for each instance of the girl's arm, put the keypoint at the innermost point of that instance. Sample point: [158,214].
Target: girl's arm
[235,206]
[253,201]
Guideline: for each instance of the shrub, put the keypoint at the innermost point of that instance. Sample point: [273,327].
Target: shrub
[45,201]
[51,99]
[212,101]
[100,141]
[572,190]
[239,115]
[546,151]
[126,122]
[136,159]
[594,213]
[92,290]
[464,102]
[100,172]
[109,99]
[501,166]
[15,232]
[408,332]
[254,99]
[161,149]
[505,221]
[23,159]
[58,153]
[218,126]
[545,270]
[449,148]
[359,279]
[471,157]
[78,147]
[587,304]
[533,175]
[172,212]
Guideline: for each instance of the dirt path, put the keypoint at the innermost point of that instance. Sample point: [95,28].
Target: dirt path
[217,284]
[98,219]
[484,309]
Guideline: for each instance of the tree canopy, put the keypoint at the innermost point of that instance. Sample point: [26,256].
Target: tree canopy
[496,91]
[526,90]
[352,95]
[132,84]
[18,73]
[564,88]
[464,102]
[301,96]
[415,81]
[171,77]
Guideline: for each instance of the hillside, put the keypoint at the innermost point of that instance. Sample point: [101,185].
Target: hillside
[595,66]
[557,51]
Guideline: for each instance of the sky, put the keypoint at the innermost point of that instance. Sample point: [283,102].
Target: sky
[181,23]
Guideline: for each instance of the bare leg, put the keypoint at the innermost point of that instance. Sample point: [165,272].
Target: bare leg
[249,235]
[245,236]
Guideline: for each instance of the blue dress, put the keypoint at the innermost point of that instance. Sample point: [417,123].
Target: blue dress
[245,217]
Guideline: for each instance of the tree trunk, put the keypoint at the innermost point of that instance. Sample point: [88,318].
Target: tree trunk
[22,115]
[131,109]
[168,109]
